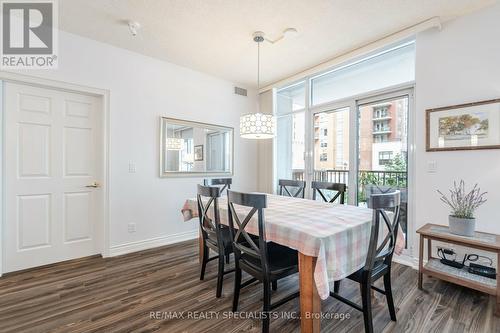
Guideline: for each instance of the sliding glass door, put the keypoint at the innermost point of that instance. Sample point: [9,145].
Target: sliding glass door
[351,125]
[383,148]
[362,142]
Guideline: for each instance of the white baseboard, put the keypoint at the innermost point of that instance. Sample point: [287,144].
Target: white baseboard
[406,260]
[121,249]
[117,250]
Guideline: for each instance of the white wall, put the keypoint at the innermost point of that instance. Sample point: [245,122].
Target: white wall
[457,65]
[142,89]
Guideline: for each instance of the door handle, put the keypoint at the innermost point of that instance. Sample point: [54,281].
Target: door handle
[93,185]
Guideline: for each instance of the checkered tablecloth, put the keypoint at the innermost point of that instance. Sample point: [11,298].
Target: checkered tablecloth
[338,235]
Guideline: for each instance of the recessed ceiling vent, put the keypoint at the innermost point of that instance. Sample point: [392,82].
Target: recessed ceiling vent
[240,91]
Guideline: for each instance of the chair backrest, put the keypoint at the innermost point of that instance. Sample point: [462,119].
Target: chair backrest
[371,189]
[225,182]
[383,251]
[243,243]
[320,187]
[209,226]
[286,184]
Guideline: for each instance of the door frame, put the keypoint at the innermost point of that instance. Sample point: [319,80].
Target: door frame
[353,102]
[102,230]
[410,166]
[335,107]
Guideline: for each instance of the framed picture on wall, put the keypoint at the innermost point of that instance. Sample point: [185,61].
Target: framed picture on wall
[464,127]
[198,153]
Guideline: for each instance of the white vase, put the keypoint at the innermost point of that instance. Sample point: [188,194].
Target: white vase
[462,226]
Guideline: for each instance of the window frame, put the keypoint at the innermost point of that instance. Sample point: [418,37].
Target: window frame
[398,90]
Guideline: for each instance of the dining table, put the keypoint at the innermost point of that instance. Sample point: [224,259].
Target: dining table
[331,240]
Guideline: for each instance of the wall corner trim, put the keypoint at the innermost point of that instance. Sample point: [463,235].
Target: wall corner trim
[125,248]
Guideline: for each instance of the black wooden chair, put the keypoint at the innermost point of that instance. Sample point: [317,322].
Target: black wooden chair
[266,262]
[222,183]
[320,187]
[379,258]
[286,185]
[216,236]
[371,189]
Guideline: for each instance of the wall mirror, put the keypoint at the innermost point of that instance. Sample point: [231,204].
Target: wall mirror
[189,148]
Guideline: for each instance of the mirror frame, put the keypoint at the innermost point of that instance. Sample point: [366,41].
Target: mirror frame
[164,121]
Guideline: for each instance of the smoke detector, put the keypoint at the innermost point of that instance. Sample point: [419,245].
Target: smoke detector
[134,27]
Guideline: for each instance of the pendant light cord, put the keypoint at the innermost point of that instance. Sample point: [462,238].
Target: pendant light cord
[258,66]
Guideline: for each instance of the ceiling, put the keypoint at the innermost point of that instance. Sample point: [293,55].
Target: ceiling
[215,36]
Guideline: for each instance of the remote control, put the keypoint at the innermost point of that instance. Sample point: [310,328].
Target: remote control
[486,271]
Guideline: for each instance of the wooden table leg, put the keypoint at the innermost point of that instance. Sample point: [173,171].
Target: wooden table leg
[420,261]
[200,245]
[429,249]
[310,303]
[497,310]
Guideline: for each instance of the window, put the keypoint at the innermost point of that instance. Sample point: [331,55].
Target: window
[339,138]
[380,112]
[378,138]
[291,98]
[385,69]
[354,117]
[290,138]
[384,157]
[331,153]
[381,127]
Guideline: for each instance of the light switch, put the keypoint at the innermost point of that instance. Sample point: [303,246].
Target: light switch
[431,166]
[131,167]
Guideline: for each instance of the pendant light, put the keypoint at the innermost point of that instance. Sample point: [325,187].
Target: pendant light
[257,125]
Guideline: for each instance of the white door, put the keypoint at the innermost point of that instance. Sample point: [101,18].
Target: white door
[53,157]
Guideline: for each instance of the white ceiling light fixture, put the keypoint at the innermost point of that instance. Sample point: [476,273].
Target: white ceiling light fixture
[257,125]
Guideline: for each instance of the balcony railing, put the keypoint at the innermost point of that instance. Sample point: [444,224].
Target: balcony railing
[383,117]
[381,130]
[367,181]
[382,178]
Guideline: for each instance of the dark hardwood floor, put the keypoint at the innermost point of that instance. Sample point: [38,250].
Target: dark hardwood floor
[134,293]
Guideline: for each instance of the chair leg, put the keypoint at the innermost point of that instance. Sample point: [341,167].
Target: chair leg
[367,306]
[237,287]
[227,258]
[274,285]
[336,287]
[388,295]
[220,276]
[267,307]
[204,260]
